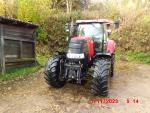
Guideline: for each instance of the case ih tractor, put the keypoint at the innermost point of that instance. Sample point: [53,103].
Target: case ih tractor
[89,48]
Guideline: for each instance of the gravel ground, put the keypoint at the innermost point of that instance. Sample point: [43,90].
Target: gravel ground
[31,94]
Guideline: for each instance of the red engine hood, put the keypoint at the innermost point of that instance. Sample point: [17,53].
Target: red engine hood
[90,44]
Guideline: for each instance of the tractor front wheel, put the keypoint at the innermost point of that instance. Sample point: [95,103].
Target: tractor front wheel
[53,72]
[101,77]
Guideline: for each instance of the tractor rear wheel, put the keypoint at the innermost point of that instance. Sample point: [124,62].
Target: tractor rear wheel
[101,77]
[53,72]
[112,65]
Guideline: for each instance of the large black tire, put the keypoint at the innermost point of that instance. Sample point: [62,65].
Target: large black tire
[52,73]
[101,77]
[112,65]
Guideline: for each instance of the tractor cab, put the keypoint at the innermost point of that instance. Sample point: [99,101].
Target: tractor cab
[94,32]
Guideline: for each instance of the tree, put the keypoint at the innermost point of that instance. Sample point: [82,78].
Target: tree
[76,5]
[69,6]
[84,4]
[58,4]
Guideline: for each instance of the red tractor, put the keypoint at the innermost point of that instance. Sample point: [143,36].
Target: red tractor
[89,48]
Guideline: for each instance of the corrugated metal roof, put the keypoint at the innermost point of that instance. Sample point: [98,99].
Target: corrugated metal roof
[16,22]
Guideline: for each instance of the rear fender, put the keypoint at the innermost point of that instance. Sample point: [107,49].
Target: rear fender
[111,46]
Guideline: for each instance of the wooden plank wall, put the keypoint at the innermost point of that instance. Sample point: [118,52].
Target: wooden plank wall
[17,46]
[0,55]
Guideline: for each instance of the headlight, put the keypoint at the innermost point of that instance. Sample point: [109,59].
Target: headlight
[75,56]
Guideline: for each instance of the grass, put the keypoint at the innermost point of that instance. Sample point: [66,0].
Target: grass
[137,57]
[41,60]
[23,71]
[19,72]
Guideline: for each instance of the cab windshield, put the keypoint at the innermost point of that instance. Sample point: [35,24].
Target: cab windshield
[93,30]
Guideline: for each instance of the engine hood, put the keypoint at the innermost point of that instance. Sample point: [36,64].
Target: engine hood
[89,42]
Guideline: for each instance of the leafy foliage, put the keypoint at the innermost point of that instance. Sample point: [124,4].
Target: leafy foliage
[133,34]
[51,15]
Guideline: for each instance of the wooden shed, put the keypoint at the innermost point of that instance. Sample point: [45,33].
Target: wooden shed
[17,43]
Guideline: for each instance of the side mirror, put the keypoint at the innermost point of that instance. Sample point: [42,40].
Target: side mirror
[109,32]
[67,38]
[117,24]
[67,28]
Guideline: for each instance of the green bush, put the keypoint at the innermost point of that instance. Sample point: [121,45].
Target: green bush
[133,34]
[52,35]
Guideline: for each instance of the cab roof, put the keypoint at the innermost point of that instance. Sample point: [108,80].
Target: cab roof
[95,21]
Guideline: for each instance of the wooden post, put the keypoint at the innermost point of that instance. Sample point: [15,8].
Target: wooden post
[2,55]
[20,53]
[34,42]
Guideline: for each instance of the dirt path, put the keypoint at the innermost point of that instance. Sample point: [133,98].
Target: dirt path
[32,95]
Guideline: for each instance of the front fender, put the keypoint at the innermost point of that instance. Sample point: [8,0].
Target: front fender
[100,55]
